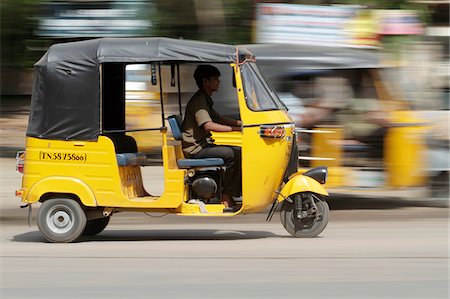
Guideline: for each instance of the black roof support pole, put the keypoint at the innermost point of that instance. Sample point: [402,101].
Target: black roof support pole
[161,95]
[179,90]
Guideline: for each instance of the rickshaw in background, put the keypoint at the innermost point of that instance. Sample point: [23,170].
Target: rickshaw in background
[142,108]
[83,166]
[371,139]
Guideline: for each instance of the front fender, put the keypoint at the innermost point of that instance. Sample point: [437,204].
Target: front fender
[300,183]
[62,185]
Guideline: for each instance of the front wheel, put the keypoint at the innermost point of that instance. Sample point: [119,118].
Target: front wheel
[61,220]
[308,222]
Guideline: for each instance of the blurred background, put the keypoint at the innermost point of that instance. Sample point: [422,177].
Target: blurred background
[367,82]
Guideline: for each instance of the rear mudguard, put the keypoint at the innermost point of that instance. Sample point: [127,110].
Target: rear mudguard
[300,183]
[62,185]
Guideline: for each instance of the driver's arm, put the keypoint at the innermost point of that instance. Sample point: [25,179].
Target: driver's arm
[212,126]
[229,121]
[206,120]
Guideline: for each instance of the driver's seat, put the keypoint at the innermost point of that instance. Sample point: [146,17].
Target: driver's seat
[175,123]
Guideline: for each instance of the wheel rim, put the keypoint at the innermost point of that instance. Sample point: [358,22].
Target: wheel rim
[60,219]
[306,227]
[309,222]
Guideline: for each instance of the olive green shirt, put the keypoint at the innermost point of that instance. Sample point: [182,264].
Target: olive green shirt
[199,111]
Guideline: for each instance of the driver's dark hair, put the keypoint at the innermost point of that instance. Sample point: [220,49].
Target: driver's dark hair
[205,71]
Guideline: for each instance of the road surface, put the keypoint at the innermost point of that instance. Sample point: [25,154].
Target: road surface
[384,250]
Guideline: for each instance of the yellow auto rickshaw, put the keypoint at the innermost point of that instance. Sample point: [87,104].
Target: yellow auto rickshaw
[82,165]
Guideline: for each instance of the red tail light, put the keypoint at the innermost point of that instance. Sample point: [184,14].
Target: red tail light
[20,161]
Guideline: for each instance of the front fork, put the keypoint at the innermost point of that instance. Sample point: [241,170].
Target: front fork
[305,206]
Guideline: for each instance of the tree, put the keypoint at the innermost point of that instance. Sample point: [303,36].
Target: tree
[17,24]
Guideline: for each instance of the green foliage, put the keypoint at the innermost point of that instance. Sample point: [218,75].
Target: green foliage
[17,24]
[239,14]
[175,19]
[182,19]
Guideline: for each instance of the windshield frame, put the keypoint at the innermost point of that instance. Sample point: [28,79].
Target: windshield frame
[254,71]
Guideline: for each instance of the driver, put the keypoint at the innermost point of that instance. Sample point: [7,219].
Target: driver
[200,118]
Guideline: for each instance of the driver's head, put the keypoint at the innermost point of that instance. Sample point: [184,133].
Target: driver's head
[207,76]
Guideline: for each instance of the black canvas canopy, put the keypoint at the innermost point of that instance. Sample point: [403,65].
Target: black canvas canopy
[66,90]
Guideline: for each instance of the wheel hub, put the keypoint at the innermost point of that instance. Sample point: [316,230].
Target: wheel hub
[59,220]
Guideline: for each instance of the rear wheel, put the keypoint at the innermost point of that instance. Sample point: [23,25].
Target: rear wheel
[61,220]
[95,226]
[307,223]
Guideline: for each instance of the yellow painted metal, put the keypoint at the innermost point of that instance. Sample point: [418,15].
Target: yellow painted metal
[404,143]
[62,185]
[264,160]
[404,149]
[131,179]
[227,138]
[194,210]
[174,178]
[326,146]
[299,183]
[91,164]
[71,167]
[144,113]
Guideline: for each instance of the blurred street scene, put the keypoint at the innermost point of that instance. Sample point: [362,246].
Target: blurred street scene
[367,82]
[367,85]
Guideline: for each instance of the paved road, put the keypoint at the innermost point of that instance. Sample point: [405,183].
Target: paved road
[244,257]
[393,251]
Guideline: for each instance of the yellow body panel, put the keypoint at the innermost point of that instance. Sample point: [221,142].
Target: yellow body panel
[300,183]
[62,185]
[227,138]
[95,168]
[74,167]
[264,160]
[404,149]
[194,210]
[326,146]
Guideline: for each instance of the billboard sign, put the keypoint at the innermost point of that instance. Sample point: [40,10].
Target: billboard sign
[337,26]
[81,19]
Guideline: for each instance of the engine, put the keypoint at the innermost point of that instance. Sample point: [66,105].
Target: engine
[204,188]
[206,185]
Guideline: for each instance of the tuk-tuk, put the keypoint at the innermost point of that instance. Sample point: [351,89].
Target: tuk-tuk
[373,141]
[83,166]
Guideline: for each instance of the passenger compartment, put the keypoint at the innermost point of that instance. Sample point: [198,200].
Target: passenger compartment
[129,161]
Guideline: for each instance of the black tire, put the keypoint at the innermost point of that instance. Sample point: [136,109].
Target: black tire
[61,220]
[304,228]
[440,188]
[95,226]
